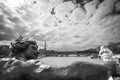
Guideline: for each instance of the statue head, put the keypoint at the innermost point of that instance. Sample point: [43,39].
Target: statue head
[24,49]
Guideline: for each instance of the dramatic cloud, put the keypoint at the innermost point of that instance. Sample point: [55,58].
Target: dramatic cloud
[64,24]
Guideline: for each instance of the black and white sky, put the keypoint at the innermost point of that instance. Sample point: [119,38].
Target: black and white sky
[64,24]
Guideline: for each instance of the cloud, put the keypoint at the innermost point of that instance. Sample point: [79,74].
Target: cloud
[78,15]
[64,24]
[64,10]
[6,32]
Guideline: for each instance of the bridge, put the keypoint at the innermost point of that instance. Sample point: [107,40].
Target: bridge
[68,53]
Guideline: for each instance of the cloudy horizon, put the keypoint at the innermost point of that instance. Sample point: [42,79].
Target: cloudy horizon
[66,25]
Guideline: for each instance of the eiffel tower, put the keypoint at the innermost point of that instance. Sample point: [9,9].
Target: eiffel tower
[45,46]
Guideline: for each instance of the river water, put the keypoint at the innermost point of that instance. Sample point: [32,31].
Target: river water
[64,61]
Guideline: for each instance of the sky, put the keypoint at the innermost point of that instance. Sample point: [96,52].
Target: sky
[66,25]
